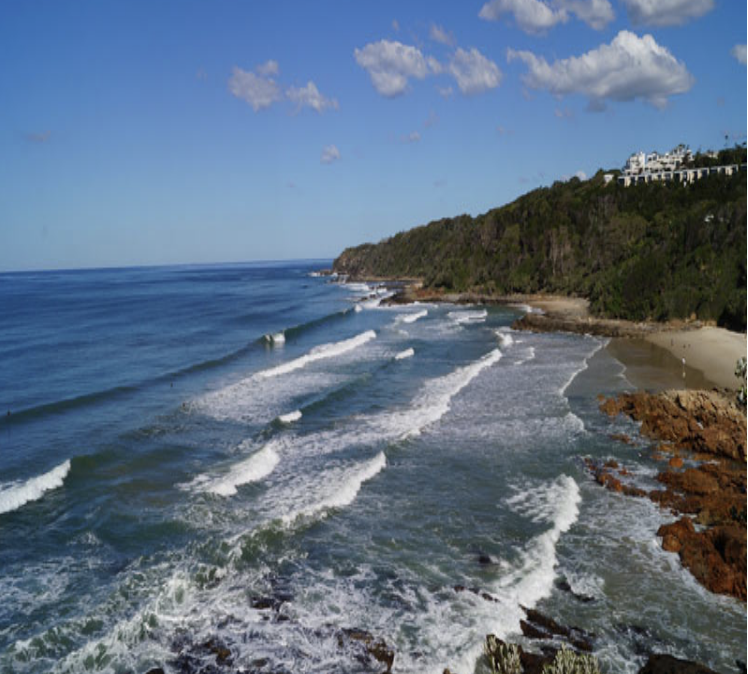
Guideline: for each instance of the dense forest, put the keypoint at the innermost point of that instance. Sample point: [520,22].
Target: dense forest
[655,251]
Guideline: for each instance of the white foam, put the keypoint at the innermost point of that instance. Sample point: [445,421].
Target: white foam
[532,579]
[358,287]
[319,353]
[408,353]
[277,338]
[290,417]
[505,339]
[357,308]
[463,317]
[529,355]
[412,318]
[599,344]
[13,495]
[255,468]
[340,489]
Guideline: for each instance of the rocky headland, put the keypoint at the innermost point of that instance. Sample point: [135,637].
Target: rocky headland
[701,438]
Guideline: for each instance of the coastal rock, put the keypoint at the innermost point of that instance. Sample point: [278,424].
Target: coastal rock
[708,425]
[371,647]
[539,626]
[667,664]
[716,557]
[701,421]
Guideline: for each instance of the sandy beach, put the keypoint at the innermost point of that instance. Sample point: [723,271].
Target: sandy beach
[712,351]
[665,355]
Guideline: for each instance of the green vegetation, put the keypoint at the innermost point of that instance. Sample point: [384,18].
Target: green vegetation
[656,251]
[569,662]
[740,373]
[502,658]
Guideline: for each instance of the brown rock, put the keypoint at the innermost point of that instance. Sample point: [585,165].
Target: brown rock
[676,462]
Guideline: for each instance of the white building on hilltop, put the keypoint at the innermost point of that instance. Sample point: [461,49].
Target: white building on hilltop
[653,162]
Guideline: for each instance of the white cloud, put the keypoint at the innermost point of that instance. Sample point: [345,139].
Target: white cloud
[260,92]
[595,13]
[666,12]
[538,16]
[445,92]
[310,97]
[330,154]
[268,69]
[391,64]
[412,137]
[532,16]
[738,52]
[395,25]
[629,67]
[473,72]
[438,34]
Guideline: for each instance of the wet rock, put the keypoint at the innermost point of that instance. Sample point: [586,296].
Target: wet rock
[621,437]
[484,559]
[667,664]
[539,626]
[155,670]
[716,557]
[676,462]
[373,647]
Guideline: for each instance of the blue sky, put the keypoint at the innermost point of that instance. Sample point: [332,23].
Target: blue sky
[178,132]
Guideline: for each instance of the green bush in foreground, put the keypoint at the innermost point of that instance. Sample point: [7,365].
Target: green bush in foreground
[569,662]
[740,373]
[503,658]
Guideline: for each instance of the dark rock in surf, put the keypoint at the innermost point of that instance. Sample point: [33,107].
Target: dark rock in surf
[369,647]
[667,664]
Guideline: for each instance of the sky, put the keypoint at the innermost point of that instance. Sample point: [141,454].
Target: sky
[143,133]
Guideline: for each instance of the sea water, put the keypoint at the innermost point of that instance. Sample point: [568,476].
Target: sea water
[257,457]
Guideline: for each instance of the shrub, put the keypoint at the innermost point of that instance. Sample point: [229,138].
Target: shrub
[503,658]
[740,373]
[569,662]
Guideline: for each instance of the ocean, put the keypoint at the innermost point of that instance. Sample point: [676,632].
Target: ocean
[225,467]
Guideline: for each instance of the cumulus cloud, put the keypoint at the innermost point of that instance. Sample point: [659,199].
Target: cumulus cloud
[260,90]
[391,65]
[330,154]
[595,13]
[628,68]
[268,69]
[473,72]
[538,16]
[532,16]
[438,34]
[738,52]
[310,97]
[257,90]
[666,12]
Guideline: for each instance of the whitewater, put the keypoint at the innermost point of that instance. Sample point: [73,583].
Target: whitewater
[254,459]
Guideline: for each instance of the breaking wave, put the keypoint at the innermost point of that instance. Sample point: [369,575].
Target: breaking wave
[16,494]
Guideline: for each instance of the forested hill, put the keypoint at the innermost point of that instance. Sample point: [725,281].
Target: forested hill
[654,251]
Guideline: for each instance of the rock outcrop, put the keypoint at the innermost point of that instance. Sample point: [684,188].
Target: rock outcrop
[710,496]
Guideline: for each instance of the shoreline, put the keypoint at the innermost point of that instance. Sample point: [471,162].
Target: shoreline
[688,354]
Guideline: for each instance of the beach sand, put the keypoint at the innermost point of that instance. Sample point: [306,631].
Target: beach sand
[713,351]
[652,368]
[655,360]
